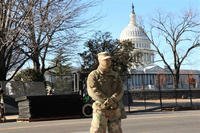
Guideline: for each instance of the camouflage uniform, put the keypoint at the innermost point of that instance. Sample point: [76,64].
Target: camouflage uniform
[101,87]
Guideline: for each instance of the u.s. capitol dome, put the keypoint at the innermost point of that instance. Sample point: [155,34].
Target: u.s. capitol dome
[136,34]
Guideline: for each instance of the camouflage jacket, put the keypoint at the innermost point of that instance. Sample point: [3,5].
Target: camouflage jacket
[101,86]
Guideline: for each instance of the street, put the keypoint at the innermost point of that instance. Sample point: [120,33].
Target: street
[143,122]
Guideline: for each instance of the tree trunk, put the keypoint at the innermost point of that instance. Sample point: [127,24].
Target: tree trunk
[176,80]
[3,71]
[175,83]
[36,60]
[36,65]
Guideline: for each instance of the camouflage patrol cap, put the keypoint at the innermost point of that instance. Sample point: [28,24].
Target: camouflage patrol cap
[103,56]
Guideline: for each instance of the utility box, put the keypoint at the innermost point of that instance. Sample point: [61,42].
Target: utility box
[32,108]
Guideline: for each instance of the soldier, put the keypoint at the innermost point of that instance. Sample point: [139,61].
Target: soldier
[105,88]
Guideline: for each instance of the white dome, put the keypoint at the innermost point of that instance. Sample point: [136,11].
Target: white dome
[135,34]
[132,31]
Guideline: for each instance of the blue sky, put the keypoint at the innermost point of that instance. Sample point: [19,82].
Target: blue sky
[116,12]
[115,16]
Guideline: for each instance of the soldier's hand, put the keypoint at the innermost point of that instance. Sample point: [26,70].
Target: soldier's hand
[109,103]
[104,105]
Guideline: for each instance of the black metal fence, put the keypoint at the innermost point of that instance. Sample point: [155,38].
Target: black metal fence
[143,92]
[147,92]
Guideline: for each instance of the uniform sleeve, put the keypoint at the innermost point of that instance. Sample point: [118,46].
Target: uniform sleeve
[92,87]
[117,96]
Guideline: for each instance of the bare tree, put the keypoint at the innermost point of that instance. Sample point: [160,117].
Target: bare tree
[176,35]
[52,24]
[11,22]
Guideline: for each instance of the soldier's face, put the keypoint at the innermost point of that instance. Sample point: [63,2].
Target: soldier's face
[106,63]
